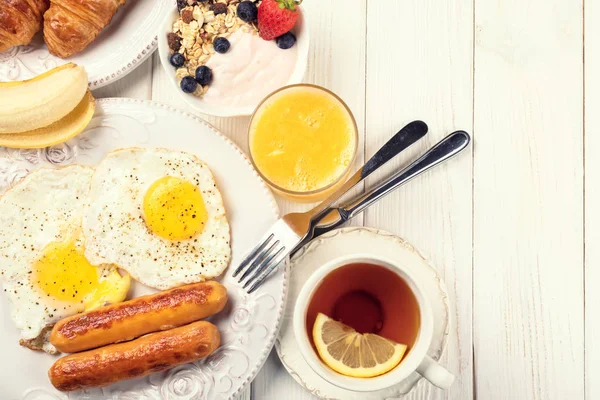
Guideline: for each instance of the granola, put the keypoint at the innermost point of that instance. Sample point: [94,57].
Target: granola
[197,27]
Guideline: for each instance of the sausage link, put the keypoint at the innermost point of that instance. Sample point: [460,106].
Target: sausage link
[151,353]
[125,321]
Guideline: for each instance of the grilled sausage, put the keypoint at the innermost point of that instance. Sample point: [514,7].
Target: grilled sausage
[154,352]
[125,321]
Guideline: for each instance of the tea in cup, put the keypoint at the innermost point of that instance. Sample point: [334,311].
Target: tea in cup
[363,323]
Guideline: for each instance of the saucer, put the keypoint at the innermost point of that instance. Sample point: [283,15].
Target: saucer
[348,241]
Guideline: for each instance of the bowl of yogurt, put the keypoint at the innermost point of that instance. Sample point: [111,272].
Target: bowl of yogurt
[219,64]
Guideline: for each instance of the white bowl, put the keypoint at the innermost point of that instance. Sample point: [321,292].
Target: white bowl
[302,41]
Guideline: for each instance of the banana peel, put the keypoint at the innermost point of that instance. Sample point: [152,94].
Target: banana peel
[60,131]
[41,101]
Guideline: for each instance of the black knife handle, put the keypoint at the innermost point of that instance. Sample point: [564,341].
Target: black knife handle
[405,137]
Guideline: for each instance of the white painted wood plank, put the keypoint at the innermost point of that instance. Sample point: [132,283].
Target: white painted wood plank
[419,66]
[137,84]
[245,395]
[528,195]
[592,199]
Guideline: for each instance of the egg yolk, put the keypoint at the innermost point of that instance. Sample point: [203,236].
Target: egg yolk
[174,209]
[65,274]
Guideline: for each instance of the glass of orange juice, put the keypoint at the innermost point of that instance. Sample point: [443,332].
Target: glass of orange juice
[303,141]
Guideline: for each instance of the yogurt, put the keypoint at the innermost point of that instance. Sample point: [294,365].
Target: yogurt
[249,71]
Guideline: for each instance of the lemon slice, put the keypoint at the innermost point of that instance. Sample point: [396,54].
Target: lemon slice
[354,354]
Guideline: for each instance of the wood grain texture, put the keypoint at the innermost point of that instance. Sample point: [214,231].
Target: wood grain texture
[528,195]
[424,71]
[592,198]
[137,84]
[504,222]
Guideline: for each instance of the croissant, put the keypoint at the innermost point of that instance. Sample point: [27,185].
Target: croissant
[71,25]
[20,20]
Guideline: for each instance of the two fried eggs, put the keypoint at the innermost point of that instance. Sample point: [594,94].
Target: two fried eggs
[155,213]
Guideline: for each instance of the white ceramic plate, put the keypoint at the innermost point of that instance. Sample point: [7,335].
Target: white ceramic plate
[249,323]
[302,41]
[348,241]
[119,48]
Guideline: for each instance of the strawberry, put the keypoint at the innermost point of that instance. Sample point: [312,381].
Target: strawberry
[276,17]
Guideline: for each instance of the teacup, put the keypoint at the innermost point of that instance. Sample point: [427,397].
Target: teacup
[416,358]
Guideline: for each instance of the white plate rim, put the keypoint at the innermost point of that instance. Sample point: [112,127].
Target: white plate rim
[126,68]
[121,69]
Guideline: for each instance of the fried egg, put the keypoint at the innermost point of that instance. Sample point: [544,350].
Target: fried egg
[158,214]
[45,273]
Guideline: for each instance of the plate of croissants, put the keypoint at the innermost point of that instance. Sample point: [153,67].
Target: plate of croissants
[108,37]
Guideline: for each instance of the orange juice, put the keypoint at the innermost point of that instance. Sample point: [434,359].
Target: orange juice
[303,140]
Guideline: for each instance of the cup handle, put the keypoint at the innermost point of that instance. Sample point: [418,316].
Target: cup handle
[435,373]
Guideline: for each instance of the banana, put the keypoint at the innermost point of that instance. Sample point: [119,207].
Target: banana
[58,132]
[41,101]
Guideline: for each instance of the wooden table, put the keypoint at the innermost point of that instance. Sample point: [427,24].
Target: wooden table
[513,223]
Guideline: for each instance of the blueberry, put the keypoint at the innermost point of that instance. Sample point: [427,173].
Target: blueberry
[188,84]
[221,45]
[247,11]
[203,75]
[286,40]
[177,60]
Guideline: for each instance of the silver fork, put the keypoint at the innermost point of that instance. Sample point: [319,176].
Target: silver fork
[289,230]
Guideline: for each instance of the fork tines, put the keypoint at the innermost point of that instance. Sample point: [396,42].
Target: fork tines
[262,260]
